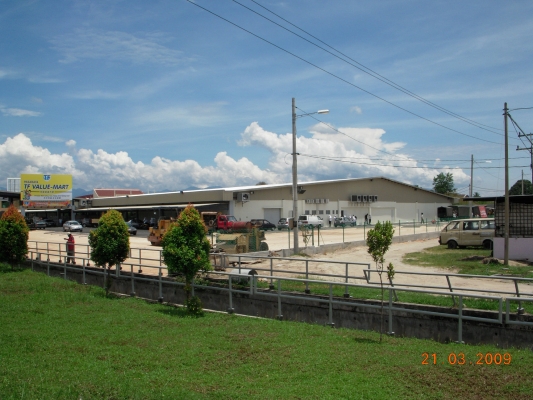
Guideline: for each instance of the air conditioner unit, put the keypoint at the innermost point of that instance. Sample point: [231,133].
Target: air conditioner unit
[243,197]
[83,203]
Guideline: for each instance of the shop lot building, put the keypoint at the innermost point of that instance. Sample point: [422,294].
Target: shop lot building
[383,198]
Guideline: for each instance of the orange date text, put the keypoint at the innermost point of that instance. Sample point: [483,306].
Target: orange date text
[461,359]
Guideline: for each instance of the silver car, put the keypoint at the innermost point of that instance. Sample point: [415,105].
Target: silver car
[72,226]
[131,229]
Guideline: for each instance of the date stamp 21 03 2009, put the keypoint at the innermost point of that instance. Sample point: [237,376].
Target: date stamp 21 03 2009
[461,359]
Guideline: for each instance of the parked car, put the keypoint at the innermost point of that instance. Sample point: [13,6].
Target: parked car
[310,220]
[263,224]
[72,226]
[50,222]
[135,223]
[131,229]
[344,221]
[283,223]
[35,224]
[468,232]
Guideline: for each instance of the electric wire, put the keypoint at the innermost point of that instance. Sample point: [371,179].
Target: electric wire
[358,141]
[331,158]
[340,78]
[366,69]
[521,108]
[483,168]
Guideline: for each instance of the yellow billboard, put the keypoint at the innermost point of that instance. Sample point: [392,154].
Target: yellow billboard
[45,191]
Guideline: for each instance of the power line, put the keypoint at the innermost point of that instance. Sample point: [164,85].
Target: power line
[336,159]
[338,77]
[439,159]
[487,171]
[366,69]
[372,147]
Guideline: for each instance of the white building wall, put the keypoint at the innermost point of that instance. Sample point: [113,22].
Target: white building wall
[519,248]
[380,211]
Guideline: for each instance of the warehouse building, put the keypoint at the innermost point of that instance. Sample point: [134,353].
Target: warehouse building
[383,198]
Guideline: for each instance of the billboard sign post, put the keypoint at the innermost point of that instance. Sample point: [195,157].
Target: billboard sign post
[38,191]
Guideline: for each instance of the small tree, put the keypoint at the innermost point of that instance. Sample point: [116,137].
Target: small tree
[378,241]
[14,234]
[186,248]
[110,242]
[517,187]
[443,183]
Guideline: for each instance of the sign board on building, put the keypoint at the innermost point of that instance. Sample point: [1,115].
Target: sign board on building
[45,191]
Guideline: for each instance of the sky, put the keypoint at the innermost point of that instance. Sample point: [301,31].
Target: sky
[175,94]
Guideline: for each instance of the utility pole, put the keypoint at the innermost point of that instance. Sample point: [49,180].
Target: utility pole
[295,171]
[522,182]
[294,179]
[506,213]
[471,184]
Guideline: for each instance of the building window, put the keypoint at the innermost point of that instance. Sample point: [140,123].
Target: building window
[328,212]
[314,212]
[321,212]
[306,212]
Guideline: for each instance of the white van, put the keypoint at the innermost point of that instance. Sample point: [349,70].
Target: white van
[310,220]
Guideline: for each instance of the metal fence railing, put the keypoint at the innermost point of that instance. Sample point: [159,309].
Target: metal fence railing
[127,271]
[151,261]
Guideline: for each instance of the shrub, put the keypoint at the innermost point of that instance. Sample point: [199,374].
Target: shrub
[194,306]
[378,241]
[14,234]
[110,242]
[185,247]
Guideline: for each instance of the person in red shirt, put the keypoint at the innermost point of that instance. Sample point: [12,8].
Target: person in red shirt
[70,249]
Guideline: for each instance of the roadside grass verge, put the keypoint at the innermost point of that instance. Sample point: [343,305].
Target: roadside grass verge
[442,257]
[62,340]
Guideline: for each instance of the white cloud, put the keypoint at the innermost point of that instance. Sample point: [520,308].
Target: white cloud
[206,114]
[102,169]
[357,152]
[356,109]
[18,112]
[114,45]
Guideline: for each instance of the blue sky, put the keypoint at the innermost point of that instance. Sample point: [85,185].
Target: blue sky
[166,95]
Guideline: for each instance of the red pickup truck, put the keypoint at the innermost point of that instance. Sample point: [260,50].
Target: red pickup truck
[230,223]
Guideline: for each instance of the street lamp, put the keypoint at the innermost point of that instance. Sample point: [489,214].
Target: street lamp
[295,170]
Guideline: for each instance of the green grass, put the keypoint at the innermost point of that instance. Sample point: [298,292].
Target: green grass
[61,340]
[442,257]
[403,297]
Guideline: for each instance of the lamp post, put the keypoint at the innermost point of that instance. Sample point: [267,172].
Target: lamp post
[295,171]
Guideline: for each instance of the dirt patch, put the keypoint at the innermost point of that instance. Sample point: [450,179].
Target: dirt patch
[406,274]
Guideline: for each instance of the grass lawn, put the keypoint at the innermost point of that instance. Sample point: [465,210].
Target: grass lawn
[61,340]
[442,257]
